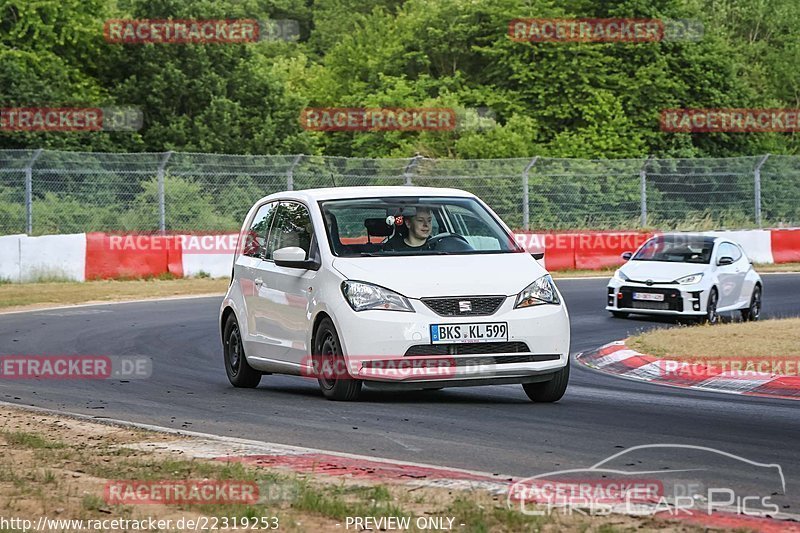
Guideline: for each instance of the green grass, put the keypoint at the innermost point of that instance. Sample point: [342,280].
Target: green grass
[30,440]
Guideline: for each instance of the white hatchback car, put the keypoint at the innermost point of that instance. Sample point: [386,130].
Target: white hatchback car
[393,287]
[689,275]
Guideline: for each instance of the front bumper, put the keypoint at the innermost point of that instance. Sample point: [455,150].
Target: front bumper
[391,346]
[683,300]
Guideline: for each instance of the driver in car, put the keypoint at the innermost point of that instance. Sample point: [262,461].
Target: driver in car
[419,231]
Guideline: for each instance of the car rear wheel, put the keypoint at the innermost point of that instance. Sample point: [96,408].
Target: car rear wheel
[712,316]
[549,391]
[752,313]
[334,380]
[240,373]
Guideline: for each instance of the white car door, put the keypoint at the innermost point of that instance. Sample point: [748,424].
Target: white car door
[284,293]
[743,267]
[730,275]
[247,272]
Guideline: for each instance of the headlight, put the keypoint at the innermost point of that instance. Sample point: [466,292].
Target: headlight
[686,280]
[362,296]
[541,291]
[620,276]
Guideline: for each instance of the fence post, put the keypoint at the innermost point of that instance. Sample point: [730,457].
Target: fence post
[290,173]
[643,192]
[526,199]
[162,208]
[407,173]
[757,188]
[29,192]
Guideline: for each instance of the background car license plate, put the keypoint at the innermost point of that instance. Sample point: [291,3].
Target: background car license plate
[481,332]
[649,296]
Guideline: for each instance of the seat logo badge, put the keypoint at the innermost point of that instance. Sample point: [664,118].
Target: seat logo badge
[464,306]
[649,282]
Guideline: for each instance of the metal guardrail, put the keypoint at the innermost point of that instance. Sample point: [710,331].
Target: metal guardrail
[45,191]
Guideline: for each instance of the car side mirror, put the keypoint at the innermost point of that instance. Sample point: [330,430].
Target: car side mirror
[294,257]
[725,261]
[538,255]
[627,255]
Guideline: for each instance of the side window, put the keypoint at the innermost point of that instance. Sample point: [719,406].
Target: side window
[256,236]
[729,250]
[292,227]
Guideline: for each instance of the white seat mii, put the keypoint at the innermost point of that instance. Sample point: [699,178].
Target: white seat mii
[392,287]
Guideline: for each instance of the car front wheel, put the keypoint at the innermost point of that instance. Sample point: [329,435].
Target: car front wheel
[240,373]
[753,311]
[712,316]
[334,379]
[549,391]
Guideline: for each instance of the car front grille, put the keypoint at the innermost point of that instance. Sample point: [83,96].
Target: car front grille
[472,348]
[478,305]
[672,299]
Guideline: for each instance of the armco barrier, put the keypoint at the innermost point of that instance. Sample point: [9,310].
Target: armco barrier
[597,250]
[103,256]
[785,244]
[114,256]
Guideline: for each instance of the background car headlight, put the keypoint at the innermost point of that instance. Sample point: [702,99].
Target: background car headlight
[620,276]
[363,296]
[541,291]
[686,280]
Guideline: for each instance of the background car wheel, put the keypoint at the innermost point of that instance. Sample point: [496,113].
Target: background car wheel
[712,316]
[754,311]
[240,373]
[549,391]
[619,314]
[335,382]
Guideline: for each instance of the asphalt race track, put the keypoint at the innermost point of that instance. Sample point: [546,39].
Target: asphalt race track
[493,429]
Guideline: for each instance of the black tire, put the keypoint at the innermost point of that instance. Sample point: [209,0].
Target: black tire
[619,314]
[753,311]
[240,373]
[328,348]
[712,316]
[549,391]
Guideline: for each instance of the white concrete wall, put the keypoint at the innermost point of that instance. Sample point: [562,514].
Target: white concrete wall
[61,256]
[9,257]
[757,243]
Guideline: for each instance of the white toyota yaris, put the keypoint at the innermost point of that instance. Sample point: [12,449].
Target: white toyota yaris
[686,274]
[393,287]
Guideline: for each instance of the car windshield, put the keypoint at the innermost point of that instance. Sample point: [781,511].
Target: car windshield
[676,250]
[413,225]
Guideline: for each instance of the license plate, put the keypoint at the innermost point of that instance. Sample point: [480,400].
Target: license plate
[649,296]
[481,332]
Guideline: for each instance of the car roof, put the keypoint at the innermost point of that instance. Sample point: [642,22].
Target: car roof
[693,237]
[344,193]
